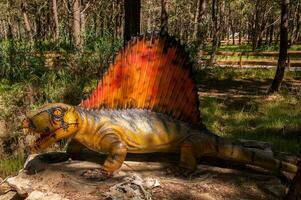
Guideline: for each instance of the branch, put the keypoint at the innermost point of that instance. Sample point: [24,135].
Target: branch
[86,7]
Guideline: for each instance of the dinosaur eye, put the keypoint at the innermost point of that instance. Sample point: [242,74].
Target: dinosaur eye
[57,112]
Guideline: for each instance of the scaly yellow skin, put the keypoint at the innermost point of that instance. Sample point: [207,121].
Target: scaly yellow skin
[135,131]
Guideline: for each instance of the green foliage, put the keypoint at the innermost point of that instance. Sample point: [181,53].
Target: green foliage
[11,165]
[18,61]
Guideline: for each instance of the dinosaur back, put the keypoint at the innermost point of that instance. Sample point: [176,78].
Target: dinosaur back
[152,72]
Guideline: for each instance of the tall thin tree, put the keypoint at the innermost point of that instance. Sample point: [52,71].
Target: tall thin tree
[56,20]
[76,24]
[283,48]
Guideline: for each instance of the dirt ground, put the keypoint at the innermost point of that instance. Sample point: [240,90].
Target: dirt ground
[142,180]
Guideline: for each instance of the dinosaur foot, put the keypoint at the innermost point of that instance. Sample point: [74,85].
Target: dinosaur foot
[97,174]
[182,172]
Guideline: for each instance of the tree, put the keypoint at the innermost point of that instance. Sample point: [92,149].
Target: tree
[283,48]
[164,16]
[26,19]
[132,18]
[76,24]
[198,20]
[56,20]
[218,7]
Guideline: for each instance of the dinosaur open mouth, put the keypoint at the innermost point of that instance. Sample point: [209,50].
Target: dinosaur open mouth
[36,136]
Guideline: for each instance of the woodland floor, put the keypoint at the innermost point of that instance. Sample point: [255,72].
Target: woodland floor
[237,106]
[144,180]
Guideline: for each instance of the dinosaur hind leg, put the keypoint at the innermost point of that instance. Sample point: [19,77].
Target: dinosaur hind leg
[187,156]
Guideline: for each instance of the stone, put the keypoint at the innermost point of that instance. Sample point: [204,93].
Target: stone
[20,184]
[11,195]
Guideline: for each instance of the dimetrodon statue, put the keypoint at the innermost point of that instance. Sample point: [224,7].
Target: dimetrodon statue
[146,102]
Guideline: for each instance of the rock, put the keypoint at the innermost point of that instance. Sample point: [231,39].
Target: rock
[4,187]
[295,188]
[37,195]
[21,184]
[11,195]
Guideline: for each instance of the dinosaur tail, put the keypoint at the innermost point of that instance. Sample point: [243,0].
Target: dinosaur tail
[236,152]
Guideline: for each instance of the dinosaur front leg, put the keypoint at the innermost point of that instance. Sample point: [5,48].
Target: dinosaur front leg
[74,148]
[117,152]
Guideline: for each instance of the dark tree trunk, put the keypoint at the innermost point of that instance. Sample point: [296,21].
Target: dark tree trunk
[214,32]
[283,48]
[267,31]
[271,34]
[132,18]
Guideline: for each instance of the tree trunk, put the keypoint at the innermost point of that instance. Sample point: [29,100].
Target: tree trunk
[256,25]
[283,48]
[197,37]
[56,21]
[271,34]
[217,27]
[76,27]
[164,16]
[214,30]
[233,33]
[297,21]
[26,20]
[82,22]
[132,19]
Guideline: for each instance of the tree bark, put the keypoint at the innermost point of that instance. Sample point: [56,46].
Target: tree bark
[164,16]
[217,27]
[283,48]
[201,6]
[26,20]
[83,22]
[296,23]
[132,19]
[271,34]
[76,25]
[56,20]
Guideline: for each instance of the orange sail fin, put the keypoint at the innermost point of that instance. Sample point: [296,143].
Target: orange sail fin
[152,72]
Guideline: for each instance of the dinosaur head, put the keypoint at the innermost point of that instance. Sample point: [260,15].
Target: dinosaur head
[50,124]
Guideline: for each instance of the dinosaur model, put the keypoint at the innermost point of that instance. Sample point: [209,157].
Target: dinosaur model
[146,102]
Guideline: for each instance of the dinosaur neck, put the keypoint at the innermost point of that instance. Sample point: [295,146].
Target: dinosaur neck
[88,128]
